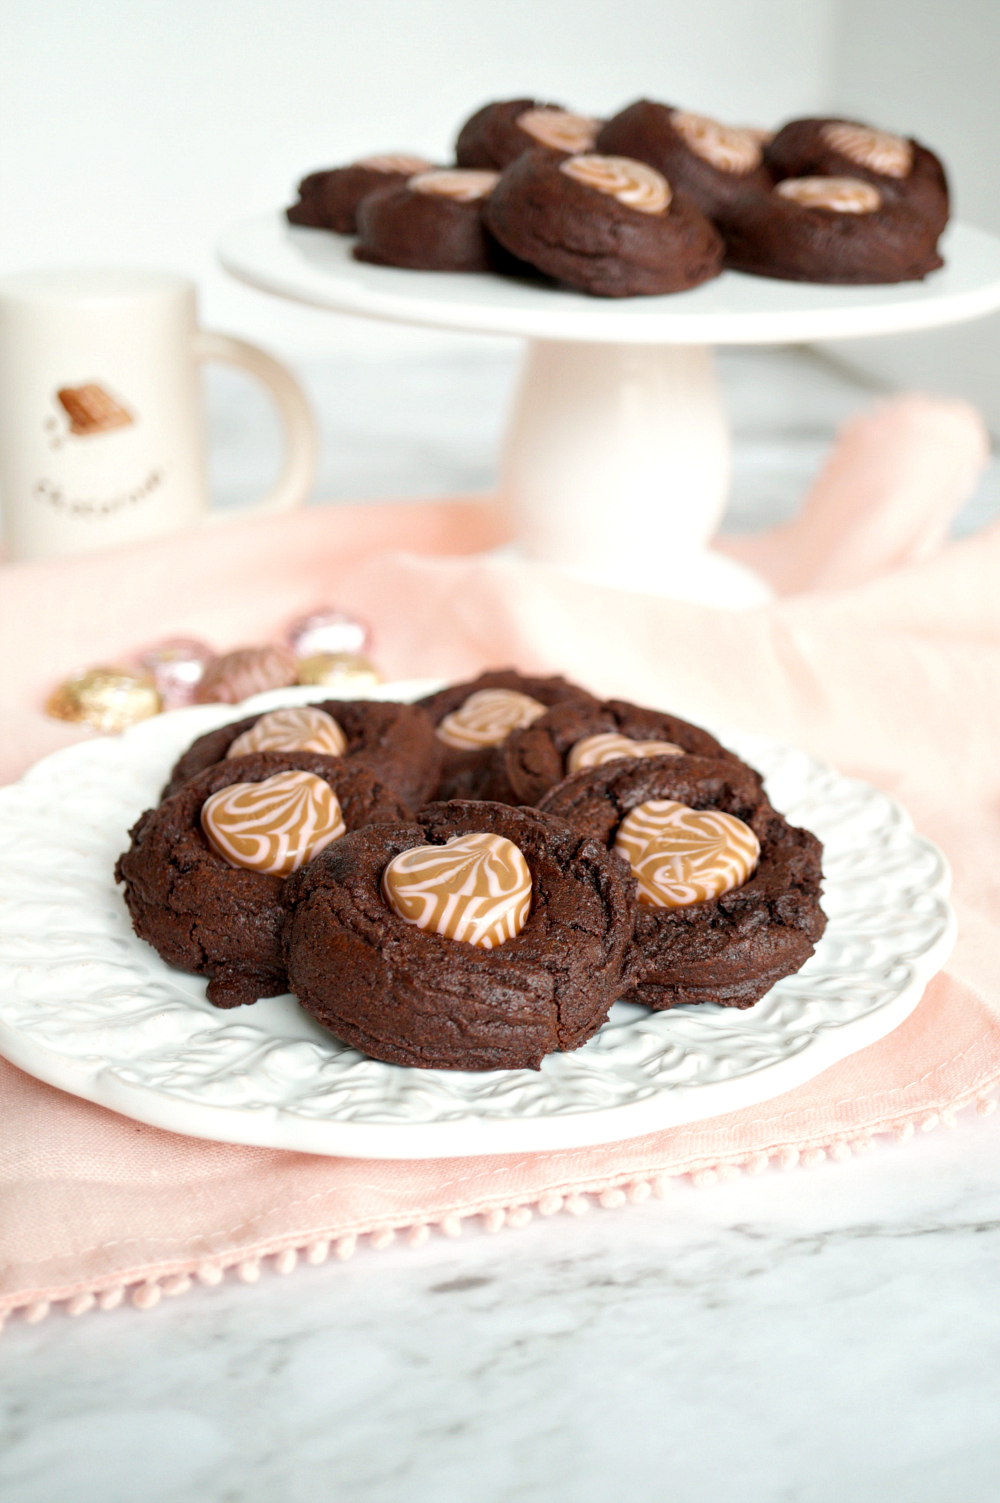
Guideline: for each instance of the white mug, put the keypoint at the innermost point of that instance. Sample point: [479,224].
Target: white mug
[101,423]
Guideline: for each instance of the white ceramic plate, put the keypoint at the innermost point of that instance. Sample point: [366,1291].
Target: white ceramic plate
[314,266]
[88,1007]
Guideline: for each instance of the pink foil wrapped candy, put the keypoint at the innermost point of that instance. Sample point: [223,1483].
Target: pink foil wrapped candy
[177,667]
[249,670]
[327,631]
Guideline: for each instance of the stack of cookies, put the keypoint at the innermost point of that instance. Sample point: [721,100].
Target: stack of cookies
[654,200]
[470,882]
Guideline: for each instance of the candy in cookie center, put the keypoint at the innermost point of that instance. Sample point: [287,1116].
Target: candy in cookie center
[461,184]
[632,183]
[681,856]
[560,129]
[487,717]
[844,195]
[299,728]
[274,826]
[878,150]
[475,888]
[609,746]
[728,148]
[395,162]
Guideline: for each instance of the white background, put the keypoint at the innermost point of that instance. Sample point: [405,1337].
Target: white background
[132,133]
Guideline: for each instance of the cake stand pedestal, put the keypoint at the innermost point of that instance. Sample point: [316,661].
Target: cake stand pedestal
[616,461]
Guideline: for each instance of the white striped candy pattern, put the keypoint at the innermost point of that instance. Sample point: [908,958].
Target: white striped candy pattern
[475,888]
[299,728]
[274,826]
[609,746]
[681,855]
[844,195]
[878,150]
[464,186]
[728,148]
[487,717]
[560,129]
[632,183]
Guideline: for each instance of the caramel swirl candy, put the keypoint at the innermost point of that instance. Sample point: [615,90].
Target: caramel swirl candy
[459,183]
[487,717]
[844,195]
[681,855]
[303,728]
[476,888]
[878,150]
[632,183]
[608,746]
[394,161]
[725,147]
[274,826]
[560,129]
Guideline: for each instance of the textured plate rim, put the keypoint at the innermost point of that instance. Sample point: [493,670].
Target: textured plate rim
[275,1127]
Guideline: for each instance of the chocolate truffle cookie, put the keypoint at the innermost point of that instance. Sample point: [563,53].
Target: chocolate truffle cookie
[202,914]
[328,200]
[396,742]
[497,134]
[432,222]
[898,166]
[413,996]
[712,164]
[606,225]
[473,735]
[729,949]
[575,735]
[829,229]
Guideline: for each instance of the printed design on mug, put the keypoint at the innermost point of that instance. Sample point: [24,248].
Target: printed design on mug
[91,410]
[680,855]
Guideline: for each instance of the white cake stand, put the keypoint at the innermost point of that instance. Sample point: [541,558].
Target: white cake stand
[616,462]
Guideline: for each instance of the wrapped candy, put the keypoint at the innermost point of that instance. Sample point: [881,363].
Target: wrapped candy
[177,667]
[109,699]
[345,671]
[326,630]
[249,670]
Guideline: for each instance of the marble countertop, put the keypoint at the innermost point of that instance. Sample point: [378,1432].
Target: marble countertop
[805,1337]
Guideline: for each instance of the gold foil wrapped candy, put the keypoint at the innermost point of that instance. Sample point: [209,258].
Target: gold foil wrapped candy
[338,670]
[109,699]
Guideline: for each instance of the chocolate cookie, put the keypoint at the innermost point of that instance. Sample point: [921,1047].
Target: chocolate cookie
[606,225]
[898,166]
[204,915]
[543,753]
[712,164]
[829,229]
[473,754]
[433,222]
[729,949]
[396,742]
[497,134]
[329,200]
[415,997]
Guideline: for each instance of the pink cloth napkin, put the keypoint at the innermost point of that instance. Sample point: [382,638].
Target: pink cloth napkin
[881,654]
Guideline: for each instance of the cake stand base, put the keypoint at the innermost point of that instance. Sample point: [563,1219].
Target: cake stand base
[616,468]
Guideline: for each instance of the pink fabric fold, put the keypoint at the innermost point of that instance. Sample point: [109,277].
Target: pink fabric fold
[883,657]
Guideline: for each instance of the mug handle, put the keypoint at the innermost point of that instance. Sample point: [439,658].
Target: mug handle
[298,470]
